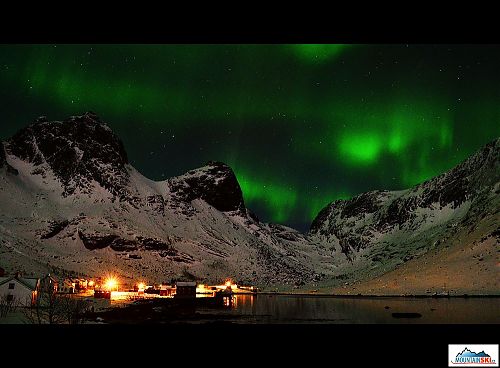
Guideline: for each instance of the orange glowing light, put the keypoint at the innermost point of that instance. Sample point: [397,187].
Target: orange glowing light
[228,283]
[140,286]
[91,283]
[110,283]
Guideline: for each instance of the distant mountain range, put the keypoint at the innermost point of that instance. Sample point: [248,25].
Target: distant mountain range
[71,202]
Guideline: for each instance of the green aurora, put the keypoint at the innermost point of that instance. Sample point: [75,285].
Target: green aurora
[301,125]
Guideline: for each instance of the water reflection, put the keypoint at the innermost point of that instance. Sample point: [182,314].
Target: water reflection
[263,308]
[316,309]
[230,301]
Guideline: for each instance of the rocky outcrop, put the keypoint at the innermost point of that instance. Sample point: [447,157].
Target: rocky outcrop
[117,243]
[4,163]
[214,183]
[55,228]
[97,241]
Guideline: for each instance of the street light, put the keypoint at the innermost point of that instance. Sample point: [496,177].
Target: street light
[111,283]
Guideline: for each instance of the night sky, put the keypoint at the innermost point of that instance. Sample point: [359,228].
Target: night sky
[301,125]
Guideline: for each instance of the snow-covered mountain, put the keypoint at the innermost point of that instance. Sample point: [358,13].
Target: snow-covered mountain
[381,230]
[71,201]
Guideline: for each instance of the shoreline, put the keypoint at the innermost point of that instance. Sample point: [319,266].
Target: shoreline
[416,296]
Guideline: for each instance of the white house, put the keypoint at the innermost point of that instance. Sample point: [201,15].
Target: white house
[22,290]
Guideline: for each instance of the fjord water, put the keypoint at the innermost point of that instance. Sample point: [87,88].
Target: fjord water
[323,309]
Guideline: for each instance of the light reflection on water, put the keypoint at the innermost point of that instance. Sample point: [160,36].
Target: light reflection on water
[118,299]
[317,309]
[264,308]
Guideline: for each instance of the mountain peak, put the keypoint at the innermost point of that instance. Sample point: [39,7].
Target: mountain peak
[217,164]
[215,183]
[78,150]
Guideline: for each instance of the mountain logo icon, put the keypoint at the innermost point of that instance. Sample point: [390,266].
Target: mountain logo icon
[473,356]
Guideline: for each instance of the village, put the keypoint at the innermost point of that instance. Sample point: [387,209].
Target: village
[19,291]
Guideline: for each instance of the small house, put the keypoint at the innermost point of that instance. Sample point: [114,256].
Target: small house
[22,290]
[167,290]
[81,285]
[185,289]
